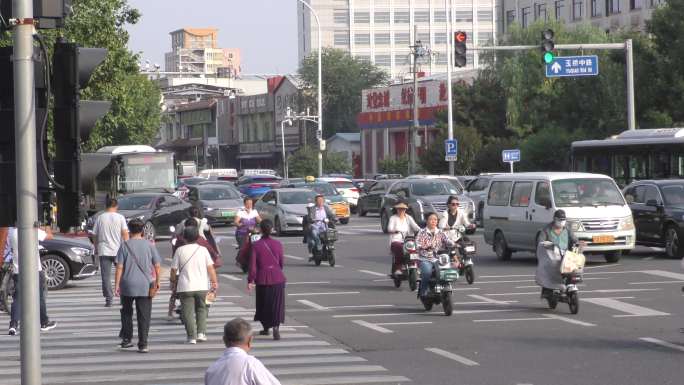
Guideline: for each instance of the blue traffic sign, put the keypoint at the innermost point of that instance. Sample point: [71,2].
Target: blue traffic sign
[571,66]
[511,155]
[451,150]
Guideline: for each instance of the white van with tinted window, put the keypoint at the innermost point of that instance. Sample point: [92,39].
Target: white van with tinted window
[518,206]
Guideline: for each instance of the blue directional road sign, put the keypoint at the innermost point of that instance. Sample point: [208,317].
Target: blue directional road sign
[572,66]
[511,156]
[451,150]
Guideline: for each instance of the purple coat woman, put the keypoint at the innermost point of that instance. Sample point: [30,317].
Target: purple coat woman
[266,274]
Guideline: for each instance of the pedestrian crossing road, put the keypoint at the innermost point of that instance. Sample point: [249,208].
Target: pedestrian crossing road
[83,349]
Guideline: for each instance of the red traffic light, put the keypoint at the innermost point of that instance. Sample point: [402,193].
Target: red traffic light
[460,37]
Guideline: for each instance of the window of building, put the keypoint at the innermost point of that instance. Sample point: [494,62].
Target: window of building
[485,15]
[362,17]
[382,39]
[559,9]
[341,38]
[362,38]
[577,9]
[440,37]
[463,16]
[525,19]
[484,37]
[365,58]
[540,12]
[510,18]
[340,16]
[402,17]
[383,60]
[424,37]
[595,8]
[612,7]
[401,59]
[655,3]
[636,4]
[440,16]
[421,16]
[381,17]
[402,38]
[441,58]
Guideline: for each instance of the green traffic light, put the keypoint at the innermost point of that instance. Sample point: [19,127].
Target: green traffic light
[548,57]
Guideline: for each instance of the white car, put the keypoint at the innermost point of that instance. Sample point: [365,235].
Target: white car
[346,188]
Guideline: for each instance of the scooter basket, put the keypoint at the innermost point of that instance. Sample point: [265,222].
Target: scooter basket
[331,235]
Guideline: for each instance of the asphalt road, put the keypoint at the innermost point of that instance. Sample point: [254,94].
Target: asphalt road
[627,330]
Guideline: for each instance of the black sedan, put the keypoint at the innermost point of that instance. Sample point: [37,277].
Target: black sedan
[658,211]
[370,200]
[65,259]
[159,211]
[219,203]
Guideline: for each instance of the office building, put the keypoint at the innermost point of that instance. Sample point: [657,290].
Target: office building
[196,50]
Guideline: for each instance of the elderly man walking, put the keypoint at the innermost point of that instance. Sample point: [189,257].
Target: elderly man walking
[235,366]
[109,232]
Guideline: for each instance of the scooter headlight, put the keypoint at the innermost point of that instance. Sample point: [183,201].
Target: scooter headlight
[444,259]
[410,246]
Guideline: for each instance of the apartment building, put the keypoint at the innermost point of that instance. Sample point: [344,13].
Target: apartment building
[196,50]
[381,31]
[609,15]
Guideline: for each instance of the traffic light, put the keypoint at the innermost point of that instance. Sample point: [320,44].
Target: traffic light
[460,59]
[74,119]
[47,13]
[547,46]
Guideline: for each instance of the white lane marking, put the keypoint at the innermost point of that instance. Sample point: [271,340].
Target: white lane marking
[403,323]
[665,274]
[452,356]
[654,282]
[357,306]
[310,304]
[368,379]
[372,326]
[512,319]
[631,310]
[413,313]
[294,257]
[619,290]
[329,369]
[647,259]
[600,266]
[663,343]
[507,276]
[231,277]
[512,293]
[568,320]
[485,299]
[383,280]
[481,303]
[330,293]
[373,273]
[308,283]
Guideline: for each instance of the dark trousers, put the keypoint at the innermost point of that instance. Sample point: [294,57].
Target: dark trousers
[143,312]
[16,301]
[106,263]
[397,249]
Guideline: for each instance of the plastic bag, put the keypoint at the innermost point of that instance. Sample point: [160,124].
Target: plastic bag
[572,261]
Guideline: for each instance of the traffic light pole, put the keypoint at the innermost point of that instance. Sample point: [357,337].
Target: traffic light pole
[450,106]
[627,46]
[27,191]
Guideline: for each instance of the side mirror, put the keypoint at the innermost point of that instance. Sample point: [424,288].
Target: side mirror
[546,202]
[652,203]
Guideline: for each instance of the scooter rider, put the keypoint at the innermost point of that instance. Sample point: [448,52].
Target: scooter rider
[399,227]
[430,240]
[454,221]
[319,217]
[556,240]
[245,221]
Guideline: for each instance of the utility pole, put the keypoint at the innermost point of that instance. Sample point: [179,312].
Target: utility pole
[417,51]
[450,105]
[27,190]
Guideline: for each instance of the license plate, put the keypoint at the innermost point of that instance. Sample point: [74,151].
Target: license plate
[470,249]
[227,214]
[603,239]
[414,257]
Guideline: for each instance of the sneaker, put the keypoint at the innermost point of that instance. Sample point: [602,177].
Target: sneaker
[191,341]
[125,344]
[48,326]
[201,337]
[143,349]
[13,330]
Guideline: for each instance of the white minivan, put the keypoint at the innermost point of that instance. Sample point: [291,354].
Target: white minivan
[518,206]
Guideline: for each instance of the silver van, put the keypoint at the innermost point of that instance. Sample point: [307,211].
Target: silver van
[518,206]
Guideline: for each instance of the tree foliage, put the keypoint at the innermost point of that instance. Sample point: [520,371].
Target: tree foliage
[469,144]
[304,162]
[344,77]
[394,166]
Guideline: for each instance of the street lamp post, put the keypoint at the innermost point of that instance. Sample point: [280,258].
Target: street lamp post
[286,170]
[450,105]
[320,89]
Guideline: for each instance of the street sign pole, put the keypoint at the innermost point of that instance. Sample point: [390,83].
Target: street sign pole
[450,107]
[511,163]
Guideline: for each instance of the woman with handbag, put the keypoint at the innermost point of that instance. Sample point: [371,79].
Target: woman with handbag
[555,241]
[266,274]
[191,269]
[136,280]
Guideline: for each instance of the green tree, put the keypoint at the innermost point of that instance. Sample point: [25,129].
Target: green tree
[550,148]
[304,162]
[469,144]
[336,163]
[488,159]
[344,77]
[394,166]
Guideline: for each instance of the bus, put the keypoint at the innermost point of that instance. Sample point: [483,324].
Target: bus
[656,153]
[118,170]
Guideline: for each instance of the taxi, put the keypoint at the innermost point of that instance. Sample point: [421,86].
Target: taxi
[333,198]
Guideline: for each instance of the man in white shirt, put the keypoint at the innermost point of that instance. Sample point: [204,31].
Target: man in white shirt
[45,323]
[109,231]
[235,366]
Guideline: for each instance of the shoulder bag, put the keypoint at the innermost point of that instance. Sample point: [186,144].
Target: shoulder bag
[152,292]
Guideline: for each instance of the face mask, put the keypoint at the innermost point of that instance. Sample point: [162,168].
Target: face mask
[559,223]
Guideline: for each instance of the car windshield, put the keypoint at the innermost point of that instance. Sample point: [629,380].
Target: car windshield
[325,189]
[193,181]
[343,184]
[135,202]
[457,184]
[297,197]
[674,195]
[434,188]
[217,194]
[586,192]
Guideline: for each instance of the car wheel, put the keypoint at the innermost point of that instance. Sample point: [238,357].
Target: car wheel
[384,221]
[344,221]
[149,231]
[360,211]
[672,243]
[613,256]
[56,271]
[501,247]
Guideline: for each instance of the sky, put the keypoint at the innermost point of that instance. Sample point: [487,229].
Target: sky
[264,30]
